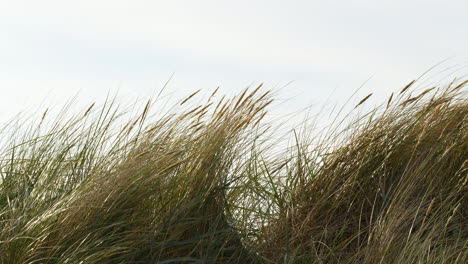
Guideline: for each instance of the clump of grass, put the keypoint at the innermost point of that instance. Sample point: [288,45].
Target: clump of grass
[388,188]
[200,185]
[86,191]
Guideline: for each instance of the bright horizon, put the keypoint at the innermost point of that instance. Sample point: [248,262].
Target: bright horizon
[51,51]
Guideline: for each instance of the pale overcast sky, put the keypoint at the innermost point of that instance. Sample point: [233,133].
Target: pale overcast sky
[52,50]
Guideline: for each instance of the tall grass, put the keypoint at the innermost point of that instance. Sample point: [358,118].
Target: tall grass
[201,185]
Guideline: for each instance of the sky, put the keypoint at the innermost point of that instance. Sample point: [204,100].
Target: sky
[314,52]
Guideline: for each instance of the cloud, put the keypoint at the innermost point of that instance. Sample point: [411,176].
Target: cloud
[320,45]
[305,34]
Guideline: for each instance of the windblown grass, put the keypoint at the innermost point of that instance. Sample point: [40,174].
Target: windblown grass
[201,186]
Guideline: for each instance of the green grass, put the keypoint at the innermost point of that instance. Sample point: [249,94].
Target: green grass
[203,185]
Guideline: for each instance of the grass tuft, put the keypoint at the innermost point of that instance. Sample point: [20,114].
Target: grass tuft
[202,185]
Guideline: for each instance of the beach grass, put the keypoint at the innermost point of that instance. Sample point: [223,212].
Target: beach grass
[202,184]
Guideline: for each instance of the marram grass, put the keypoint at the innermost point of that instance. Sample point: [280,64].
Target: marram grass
[201,185]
